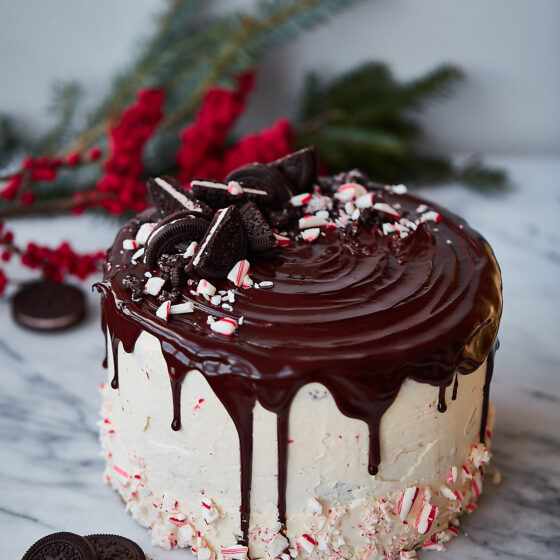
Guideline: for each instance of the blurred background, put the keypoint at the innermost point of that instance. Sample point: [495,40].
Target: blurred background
[509,50]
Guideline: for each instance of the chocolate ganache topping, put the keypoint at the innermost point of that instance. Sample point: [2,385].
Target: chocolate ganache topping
[361,287]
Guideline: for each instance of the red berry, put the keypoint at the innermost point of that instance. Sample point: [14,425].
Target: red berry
[28,163]
[28,198]
[73,158]
[8,237]
[95,153]
[6,256]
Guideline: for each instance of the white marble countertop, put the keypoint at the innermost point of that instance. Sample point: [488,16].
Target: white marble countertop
[49,460]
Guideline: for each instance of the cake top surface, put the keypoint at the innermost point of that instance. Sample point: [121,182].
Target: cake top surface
[349,276]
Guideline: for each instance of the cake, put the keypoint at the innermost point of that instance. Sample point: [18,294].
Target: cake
[299,366]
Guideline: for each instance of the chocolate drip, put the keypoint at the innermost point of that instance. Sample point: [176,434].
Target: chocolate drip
[176,396]
[455,387]
[441,405]
[486,391]
[115,349]
[104,329]
[282,426]
[358,313]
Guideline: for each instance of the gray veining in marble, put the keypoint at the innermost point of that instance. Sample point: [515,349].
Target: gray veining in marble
[50,464]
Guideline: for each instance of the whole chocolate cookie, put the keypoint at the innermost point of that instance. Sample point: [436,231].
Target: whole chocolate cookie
[63,546]
[115,547]
[47,306]
[300,168]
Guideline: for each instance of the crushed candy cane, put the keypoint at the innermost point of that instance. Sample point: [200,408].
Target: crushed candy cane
[236,552]
[385,208]
[425,518]
[278,544]
[205,289]
[130,245]
[364,201]
[154,285]
[300,199]
[407,501]
[452,476]
[225,326]
[398,189]
[311,235]
[349,191]
[179,308]
[311,221]
[234,188]
[138,255]
[144,231]
[282,240]
[191,249]
[314,506]
[163,310]
[430,216]
[239,272]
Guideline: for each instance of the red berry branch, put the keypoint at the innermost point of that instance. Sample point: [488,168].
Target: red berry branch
[121,188]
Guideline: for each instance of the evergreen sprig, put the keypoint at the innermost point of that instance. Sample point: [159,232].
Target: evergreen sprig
[364,118]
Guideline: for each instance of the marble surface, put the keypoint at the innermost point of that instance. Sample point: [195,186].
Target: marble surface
[49,453]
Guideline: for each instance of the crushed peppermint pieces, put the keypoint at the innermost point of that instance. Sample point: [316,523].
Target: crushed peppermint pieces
[144,232]
[282,240]
[154,285]
[191,249]
[398,189]
[130,245]
[277,545]
[225,326]
[300,199]
[406,502]
[205,289]
[236,552]
[311,221]
[239,272]
[163,310]
[311,235]
[430,216]
[180,308]
[425,518]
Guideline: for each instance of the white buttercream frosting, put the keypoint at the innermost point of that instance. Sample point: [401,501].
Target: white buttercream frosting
[185,485]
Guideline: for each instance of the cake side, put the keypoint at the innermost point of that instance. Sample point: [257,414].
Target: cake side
[169,478]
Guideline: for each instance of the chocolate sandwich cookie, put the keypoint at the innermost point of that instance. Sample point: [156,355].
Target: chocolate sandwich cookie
[177,229]
[46,306]
[300,168]
[168,197]
[218,195]
[223,246]
[135,284]
[264,177]
[259,234]
[115,547]
[64,546]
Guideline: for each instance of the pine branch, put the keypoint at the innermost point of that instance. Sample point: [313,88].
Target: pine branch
[274,22]
[10,140]
[64,105]
[475,175]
